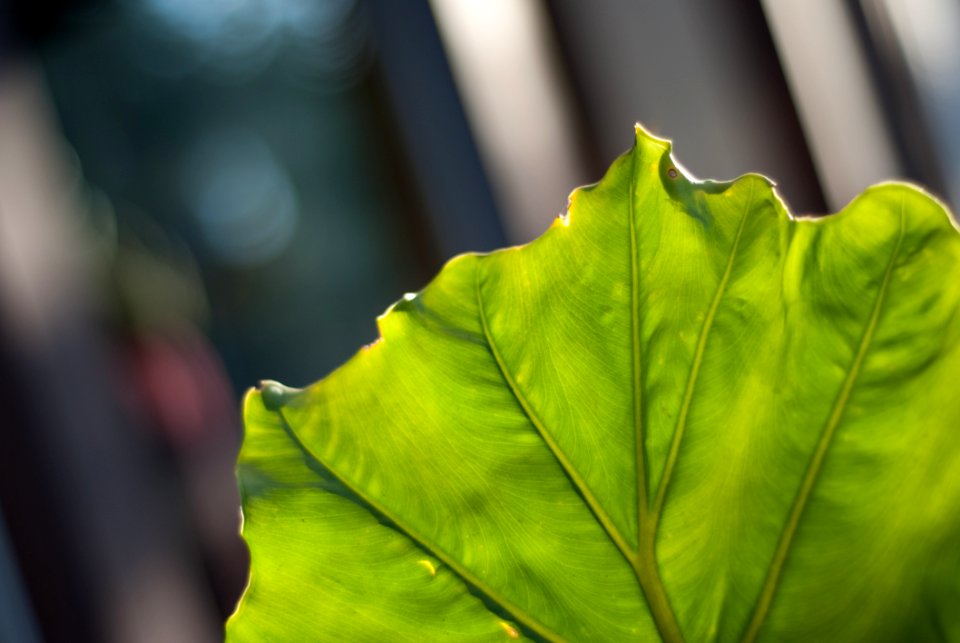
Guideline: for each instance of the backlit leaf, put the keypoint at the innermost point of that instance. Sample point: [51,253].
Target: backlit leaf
[680,414]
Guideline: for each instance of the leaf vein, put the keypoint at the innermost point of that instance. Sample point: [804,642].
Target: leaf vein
[636,342]
[545,434]
[815,465]
[694,375]
[645,565]
[378,509]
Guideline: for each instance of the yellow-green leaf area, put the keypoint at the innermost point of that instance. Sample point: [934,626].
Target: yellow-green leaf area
[681,414]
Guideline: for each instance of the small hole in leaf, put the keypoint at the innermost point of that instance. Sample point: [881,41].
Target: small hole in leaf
[672,173]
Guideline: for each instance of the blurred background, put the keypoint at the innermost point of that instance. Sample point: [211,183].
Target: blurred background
[195,195]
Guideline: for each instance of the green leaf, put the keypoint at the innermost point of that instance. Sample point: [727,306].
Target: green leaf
[681,413]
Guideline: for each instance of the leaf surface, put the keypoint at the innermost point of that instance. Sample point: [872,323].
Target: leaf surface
[680,414]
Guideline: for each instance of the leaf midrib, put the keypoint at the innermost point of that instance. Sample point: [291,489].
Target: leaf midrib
[584,489]
[645,565]
[374,506]
[811,475]
[641,561]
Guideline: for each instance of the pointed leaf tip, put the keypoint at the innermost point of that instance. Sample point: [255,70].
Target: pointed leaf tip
[643,134]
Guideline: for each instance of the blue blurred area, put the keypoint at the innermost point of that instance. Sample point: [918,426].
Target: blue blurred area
[257,132]
[197,195]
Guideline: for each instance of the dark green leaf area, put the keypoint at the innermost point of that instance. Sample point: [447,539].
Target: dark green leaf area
[680,414]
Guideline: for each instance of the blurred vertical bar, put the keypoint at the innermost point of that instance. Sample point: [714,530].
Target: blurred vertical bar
[838,104]
[704,74]
[433,132]
[917,49]
[504,62]
[898,93]
[16,618]
[77,485]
